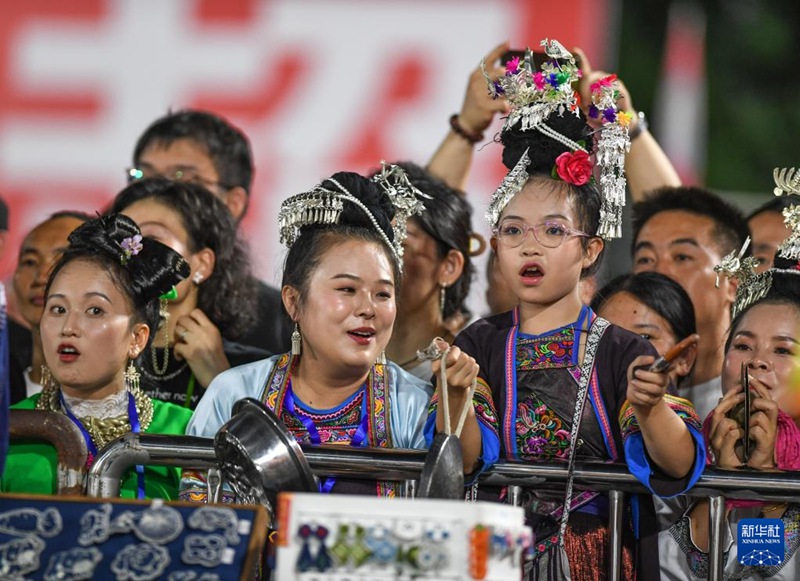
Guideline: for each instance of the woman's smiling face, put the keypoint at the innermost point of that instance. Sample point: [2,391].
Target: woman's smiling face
[347,315]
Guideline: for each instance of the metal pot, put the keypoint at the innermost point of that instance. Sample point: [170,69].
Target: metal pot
[259,457]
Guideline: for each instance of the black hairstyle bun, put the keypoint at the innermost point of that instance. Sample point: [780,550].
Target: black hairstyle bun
[785,279]
[782,263]
[368,193]
[153,271]
[544,150]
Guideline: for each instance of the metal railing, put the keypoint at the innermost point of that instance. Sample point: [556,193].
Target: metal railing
[66,438]
[131,449]
[406,466]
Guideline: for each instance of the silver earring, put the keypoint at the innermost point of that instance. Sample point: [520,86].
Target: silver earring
[197,278]
[442,297]
[297,341]
[132,377]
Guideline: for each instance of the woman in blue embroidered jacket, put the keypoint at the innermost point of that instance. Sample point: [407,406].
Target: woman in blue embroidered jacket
[340,279]
[565,383]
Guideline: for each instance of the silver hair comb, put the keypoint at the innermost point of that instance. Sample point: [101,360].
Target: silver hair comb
[511,185]
[405,198]
[787,181]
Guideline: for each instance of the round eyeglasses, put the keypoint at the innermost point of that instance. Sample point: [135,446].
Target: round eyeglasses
[550,233]
[134,174]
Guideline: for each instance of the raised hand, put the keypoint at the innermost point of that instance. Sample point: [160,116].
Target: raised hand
[592,76]
[199,343]
[479,109]
[726,432]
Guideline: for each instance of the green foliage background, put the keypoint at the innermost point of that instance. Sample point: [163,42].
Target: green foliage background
[753,71]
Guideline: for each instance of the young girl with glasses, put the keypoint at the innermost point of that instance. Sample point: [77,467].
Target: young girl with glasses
[565,383]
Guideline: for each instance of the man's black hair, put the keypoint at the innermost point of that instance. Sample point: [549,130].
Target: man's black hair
[226,145]
[730,227]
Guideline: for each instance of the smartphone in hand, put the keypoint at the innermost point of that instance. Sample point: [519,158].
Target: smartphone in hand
[741,412]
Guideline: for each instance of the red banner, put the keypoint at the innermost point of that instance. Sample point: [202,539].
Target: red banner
[318,86]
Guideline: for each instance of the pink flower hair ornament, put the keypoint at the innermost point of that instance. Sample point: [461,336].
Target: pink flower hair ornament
[131,246]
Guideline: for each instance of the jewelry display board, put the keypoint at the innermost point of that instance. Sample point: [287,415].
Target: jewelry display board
[65,539]
[336,537]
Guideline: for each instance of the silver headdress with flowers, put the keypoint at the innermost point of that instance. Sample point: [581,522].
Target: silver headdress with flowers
[755,286]
[405,197]
[321,205]
[612,146]
[536,95]
[787,181]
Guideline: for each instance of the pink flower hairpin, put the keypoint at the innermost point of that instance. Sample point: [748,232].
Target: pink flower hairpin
[131,246]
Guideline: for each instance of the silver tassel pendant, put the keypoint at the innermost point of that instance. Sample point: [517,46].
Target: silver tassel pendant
[297,341]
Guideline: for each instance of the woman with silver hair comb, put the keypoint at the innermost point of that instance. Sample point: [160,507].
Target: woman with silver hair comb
[340,279]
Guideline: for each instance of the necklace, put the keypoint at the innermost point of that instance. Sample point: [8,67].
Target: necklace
[160,369]
[164,314]
[161,376]
[102,430]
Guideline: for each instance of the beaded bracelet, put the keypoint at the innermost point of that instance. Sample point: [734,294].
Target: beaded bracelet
[460,131]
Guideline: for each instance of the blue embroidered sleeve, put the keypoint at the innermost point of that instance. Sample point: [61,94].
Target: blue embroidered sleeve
[635,453]
[487,422]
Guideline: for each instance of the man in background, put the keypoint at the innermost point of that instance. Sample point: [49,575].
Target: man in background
[683,233]
[203,148]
